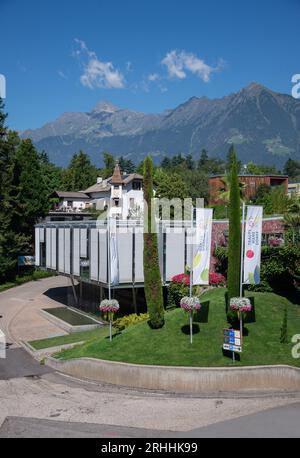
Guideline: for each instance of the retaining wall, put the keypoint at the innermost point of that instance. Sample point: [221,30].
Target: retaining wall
[182,379]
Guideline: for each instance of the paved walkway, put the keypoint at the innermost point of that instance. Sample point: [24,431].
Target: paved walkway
[20,309]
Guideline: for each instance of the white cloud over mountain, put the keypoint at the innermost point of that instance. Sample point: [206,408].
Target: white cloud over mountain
[180,62]
[97,73]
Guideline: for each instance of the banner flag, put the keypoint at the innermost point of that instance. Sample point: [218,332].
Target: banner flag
[252,254]
[202,248]
[114,256]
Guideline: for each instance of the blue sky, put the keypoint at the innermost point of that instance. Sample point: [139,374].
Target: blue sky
[149,56]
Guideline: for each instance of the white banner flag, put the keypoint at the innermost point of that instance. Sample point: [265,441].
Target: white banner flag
[252,254]
[114,256]
[202,248]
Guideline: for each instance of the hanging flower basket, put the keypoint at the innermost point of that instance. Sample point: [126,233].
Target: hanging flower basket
[190,304]
[109,306]
[240,304]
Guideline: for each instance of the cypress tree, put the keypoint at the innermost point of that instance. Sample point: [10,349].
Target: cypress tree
[234,247]
[152,276]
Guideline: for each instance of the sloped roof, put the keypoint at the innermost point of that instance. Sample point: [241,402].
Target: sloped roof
[98,187]
[132,176]
[105,186]
[117,177]
[70,194]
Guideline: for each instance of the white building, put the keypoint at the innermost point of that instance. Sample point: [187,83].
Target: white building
[122,193]
[294,189]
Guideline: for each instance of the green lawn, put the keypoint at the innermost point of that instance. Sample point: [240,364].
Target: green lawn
[70,338]
[170,346]
[71,317]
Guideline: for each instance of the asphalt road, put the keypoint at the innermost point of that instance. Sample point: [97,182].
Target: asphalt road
[19,363]
[282,422]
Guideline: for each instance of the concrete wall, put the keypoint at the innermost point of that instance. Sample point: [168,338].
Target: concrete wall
[182,379]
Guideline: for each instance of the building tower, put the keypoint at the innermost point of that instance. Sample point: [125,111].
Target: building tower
[116,193]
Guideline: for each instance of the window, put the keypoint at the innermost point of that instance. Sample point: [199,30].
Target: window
[131,203]
[136,185]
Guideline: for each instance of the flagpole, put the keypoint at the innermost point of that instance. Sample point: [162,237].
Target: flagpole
[192,252]
[109,275]
[242,249]
[191,270]
[242,267]
[109,258]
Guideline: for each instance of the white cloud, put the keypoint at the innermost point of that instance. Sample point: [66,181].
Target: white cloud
[101,74]
[97,73]
[153,77]
[62,74]
[179,62]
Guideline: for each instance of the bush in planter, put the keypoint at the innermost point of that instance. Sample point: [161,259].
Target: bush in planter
[176,291]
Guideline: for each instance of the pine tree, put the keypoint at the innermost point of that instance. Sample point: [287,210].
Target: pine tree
[32,195]
[51,173]
[152,276]
[12,242]
[81,173]
[234,247]
[203,159]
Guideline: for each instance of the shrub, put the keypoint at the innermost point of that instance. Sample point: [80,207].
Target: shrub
[221,253]
[181,279]
[263,287]
[176,291]
[216,279]
[122,323]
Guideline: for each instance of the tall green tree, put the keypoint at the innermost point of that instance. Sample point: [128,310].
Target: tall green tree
[126,165]
[109,165]
[51,173]
[234,246]
[203,159]
[292,169]
[12,241]
[31,195]
[81,173]
[152,276]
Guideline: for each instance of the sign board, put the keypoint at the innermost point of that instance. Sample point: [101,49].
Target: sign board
[26,261]
[252,254]
[232,340]
[202,254]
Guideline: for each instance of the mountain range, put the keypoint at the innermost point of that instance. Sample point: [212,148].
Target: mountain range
[263,125]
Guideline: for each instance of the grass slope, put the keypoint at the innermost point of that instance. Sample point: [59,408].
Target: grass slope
[170,346]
